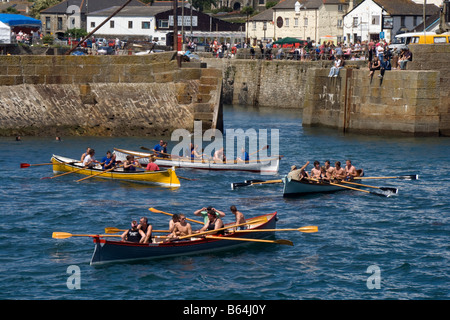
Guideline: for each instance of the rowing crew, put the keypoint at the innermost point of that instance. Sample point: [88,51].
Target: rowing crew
[326,172]
[109,162]
[179,227]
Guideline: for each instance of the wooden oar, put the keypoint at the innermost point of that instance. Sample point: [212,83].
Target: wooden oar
[220,229]
[27,165]
[408,177]
[63,174]
[97,174]
[170,214]
[65,235]
[393,190]
[148,149]
[307,229]
[263,148]
[253,182]
[115,230]
[351,188]
[278,241]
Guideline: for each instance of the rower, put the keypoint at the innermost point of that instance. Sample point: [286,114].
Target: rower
[350,170]
[239,216]
[203,212]
[328,170]
[180,228]
[89,160]
[338,172]
[146,228]
[213,223]
[316,172]
[244,156]
[130,164]
[159,148]
[85,154]
[108,161]
[133,234]
[152,166]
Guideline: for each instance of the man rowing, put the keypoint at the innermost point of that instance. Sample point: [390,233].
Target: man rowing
[180,228]
[316,172]
[350,170]
[338,172]
[146,228]
[133,234]
[328,170]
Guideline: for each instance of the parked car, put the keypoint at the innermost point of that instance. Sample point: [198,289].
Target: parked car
[105,50]
[79,52]
[101,42]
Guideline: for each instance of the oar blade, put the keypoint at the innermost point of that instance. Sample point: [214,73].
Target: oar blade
[409,177]
[25,165]
[61,235]
[393,190]
[308,229]
[284,241]
[112,230]
[235,185]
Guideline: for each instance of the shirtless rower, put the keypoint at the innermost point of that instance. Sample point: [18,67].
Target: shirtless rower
[328,170]
[316,172]
[339,172]
[350,170]
[239,216]
[181,228]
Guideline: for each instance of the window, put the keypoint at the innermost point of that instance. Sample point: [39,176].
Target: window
[340,7]
[376,20]
[47,23]
[92,24]
[59,25]
[261,2]
[355,21]
[254,25]
[439,40]
[339,23]
[286,22]
[295,22]
[163,23]
[402,21]
[130,24]
[145,24]
[305,22]
[111,24]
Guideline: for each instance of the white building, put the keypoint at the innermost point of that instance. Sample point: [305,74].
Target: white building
[313,20]
[383,19]
[130,22]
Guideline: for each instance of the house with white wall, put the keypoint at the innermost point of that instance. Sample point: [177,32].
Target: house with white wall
[383,19]
[303,19]
[131,22]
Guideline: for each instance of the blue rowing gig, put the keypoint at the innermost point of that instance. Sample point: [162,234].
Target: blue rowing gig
[107,251]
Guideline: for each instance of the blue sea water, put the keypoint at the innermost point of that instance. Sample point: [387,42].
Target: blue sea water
[368,247]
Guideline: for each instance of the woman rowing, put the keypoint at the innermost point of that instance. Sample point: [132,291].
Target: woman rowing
[130,164]
[213,223]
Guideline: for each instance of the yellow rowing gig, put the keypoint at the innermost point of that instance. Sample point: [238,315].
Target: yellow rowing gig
[164,178]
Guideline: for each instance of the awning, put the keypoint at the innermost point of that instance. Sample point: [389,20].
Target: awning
[14,20]
[289,40]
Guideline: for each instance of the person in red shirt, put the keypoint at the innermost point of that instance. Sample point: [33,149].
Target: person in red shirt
[152,166]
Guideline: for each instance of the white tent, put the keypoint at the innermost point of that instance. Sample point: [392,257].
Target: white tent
[5,33]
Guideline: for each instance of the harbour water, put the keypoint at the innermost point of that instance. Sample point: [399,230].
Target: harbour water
[367,247]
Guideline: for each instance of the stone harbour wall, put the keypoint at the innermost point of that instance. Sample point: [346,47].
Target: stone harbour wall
[104,95]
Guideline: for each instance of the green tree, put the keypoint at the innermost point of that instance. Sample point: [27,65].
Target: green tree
[203,4]
[39,5]
[247,10]
[75,33]
[10,10]
[270,4]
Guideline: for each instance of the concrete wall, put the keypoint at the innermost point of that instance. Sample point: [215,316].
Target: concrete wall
[403,102]
[436,57]
[102,95]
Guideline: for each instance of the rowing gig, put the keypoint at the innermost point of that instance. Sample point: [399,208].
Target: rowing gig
[107,251]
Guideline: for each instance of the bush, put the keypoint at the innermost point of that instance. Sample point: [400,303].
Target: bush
[48,39]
